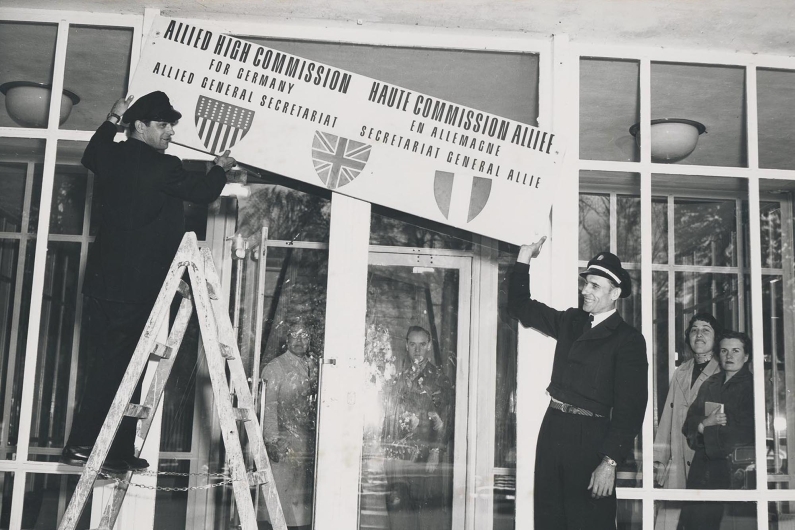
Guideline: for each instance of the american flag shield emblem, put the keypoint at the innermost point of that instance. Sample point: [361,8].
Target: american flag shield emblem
[338,160]
[220,124]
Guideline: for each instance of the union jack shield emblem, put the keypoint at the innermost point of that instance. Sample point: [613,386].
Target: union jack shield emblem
[220,124]
[476,194]
[338,160]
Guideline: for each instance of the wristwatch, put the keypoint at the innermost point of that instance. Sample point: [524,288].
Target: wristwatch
[609,461]
[112,115]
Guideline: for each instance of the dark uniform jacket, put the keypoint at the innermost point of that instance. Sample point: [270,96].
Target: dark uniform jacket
[141,215]
[601,369]
[710,468]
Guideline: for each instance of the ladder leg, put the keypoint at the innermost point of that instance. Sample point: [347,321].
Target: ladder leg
[246,401]
[217,370]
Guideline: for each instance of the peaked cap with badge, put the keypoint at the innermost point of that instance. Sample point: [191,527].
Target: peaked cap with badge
[608,265]
[154,106]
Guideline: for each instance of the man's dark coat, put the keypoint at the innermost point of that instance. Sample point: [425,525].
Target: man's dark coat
[141,215]
[603,369]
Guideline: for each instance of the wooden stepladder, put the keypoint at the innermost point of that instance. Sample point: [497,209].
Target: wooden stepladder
[221,351]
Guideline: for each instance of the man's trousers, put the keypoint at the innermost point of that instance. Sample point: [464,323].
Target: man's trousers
[114,329]
[566,455]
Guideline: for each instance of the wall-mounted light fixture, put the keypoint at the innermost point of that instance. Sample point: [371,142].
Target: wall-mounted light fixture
[28,103]
[672,139]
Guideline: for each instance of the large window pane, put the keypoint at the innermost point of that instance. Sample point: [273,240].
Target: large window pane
[711,95]
[54,368]
[776,114]
[411,359]
[20,187]
[778,317]
[97,70]
[609,106]
[28,55]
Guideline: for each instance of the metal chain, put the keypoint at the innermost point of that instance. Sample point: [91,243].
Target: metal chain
[224,480]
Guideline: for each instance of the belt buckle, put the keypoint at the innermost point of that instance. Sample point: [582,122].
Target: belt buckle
[565,407]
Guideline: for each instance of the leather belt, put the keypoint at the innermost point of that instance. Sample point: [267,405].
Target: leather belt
[571,409]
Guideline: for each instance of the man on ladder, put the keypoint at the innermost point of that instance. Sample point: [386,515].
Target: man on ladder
[142,222]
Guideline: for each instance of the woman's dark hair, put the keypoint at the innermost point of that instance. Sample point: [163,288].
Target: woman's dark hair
[709,319]
[748,345]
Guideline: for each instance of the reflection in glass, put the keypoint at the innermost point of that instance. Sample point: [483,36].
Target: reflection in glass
[712,95]
[705,232]
[398,229]
[290,215]
[51,390]
[68,200]
[6,491]
[97,70]
[505,402]
[281,311]
[20,185]
[777,318]
[628,228]
[410,361]
[12,196]
[781,515]
[734,515]
[609,106]
[171,507]
[46,499]
[31,61]
[594,225]
[629,514]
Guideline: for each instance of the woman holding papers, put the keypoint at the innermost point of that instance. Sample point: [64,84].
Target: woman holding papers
[719,421]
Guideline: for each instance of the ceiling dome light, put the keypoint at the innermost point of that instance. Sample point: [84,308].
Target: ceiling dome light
[28,103]
[672,139]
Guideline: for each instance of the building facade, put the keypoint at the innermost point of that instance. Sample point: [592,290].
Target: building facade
[711,232]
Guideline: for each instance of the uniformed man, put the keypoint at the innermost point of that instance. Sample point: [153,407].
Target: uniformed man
[598,394]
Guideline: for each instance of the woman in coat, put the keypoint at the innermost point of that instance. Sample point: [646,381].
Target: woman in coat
[672,455]
[289,422]
[719,421]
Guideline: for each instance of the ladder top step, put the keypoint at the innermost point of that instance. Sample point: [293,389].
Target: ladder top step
[137,411]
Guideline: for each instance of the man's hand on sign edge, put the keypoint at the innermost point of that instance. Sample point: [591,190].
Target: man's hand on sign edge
[528,252]
[225,161]
[603,480]
[121,106]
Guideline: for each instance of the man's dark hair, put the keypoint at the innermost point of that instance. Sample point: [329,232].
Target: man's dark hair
[709,319]
[748,345]
[418,329]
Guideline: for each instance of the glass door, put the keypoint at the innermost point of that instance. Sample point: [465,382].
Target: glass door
[416,369]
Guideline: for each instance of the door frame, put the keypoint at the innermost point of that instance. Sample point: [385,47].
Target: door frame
[414,257]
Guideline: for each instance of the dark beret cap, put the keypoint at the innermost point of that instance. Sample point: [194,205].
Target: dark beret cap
[154,106]
[607,265]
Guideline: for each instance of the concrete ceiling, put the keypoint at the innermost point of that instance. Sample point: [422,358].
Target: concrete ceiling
[760,26]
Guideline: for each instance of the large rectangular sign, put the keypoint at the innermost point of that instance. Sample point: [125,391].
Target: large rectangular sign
[355,135]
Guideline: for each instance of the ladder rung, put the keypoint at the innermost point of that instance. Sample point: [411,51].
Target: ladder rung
[137,411]
[162,351]
[256,478]
[211,291]
[184,289]
[242,414]
[226,352]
